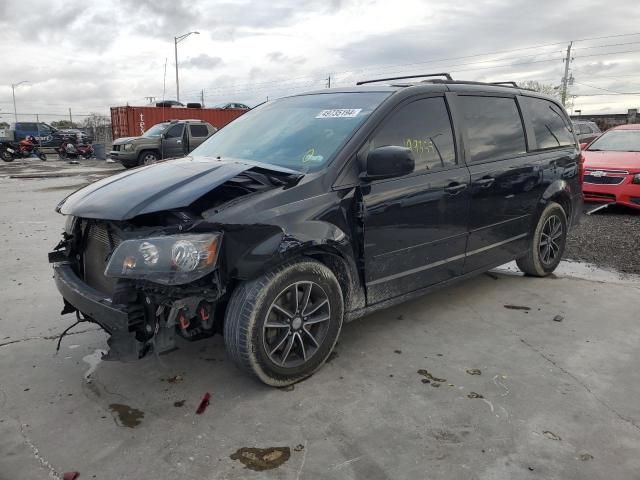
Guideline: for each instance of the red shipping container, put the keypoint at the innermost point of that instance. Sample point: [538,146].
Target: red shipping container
[134,121]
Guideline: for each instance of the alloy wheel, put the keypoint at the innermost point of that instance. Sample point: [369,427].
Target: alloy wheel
[296,324]
[550,238]
[148,159]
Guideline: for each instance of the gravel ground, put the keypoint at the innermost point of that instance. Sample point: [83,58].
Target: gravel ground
[609,238]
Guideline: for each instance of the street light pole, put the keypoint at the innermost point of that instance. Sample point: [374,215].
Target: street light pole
[177,40]
[13,91]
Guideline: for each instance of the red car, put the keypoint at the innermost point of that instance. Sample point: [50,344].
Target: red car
[612,167]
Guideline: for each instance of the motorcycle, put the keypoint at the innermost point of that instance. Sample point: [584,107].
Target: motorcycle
[69,150]
[26,148]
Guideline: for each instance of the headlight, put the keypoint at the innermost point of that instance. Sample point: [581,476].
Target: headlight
[127,147]
[636,178]
[170,260]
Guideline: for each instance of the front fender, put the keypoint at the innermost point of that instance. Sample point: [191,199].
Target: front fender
[250,250]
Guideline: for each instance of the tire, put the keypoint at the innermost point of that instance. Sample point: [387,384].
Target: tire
[543,256]
[250,342]
[147,157]
[128,165]
[6,156]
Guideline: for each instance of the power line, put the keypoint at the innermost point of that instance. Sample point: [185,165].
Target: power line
[600,88]
[608,45]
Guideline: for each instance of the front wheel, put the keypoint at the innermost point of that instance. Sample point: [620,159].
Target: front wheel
[282,326]
[147,158]
[547,243]
[6,156]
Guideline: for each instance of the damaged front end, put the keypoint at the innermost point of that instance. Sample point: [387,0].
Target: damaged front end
[146,276]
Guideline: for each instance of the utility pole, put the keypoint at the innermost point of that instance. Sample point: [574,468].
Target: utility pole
[202,98]
[70,117]
[177,40]
[565,79]
[329,81]
[13,91]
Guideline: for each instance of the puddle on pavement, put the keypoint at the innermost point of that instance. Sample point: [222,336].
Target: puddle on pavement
[581,270]
[127,416]
[175,379]
[429,378]
[551,436]
[517,307]
[93,359]
[260,459]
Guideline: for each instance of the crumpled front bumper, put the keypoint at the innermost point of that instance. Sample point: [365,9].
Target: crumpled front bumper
[112,317]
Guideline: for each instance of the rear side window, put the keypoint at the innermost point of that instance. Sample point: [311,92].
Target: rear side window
[199,130]
[551,127]
[494,128]
[423,127]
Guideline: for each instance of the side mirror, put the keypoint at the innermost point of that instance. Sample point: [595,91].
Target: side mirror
[583,146]
[388,162]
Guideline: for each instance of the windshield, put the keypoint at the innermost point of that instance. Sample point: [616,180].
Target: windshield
[618,141]
[155,131]
[301,133]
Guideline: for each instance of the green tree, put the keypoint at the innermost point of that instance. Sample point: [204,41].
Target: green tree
[62,124]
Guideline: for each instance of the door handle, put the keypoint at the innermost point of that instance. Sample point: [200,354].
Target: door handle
[484,182]
[455,188]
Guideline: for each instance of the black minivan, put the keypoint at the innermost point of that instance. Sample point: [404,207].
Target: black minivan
[316,209]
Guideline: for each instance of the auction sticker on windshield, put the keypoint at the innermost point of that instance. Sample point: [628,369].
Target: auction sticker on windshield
[339,113]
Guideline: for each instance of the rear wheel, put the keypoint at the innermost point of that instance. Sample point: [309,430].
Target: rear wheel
[547,243]
[282,326]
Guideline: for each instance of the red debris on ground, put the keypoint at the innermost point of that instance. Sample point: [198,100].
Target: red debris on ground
[204,403]
[70,475]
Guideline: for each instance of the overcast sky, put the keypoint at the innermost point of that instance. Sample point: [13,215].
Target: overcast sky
[88,55]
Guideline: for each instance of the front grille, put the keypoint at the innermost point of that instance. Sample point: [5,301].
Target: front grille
[599,196]
[603,180]
[98,246]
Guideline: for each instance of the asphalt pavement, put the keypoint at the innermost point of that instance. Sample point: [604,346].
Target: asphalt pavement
[499,377]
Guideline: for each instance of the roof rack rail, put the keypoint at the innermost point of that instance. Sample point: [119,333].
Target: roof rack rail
[446,75]
[511,84]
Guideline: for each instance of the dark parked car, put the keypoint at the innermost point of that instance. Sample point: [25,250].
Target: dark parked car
[228,105]
[586,132]
[46,135]
[316,209]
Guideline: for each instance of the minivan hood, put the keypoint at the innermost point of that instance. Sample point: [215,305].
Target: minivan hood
[154,188]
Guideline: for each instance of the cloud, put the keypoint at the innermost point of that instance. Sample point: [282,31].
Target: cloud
[203,61]
[92,55]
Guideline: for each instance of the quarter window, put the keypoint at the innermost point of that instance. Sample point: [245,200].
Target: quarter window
[422,126]
[199,130]
[551,127]
[494,128]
